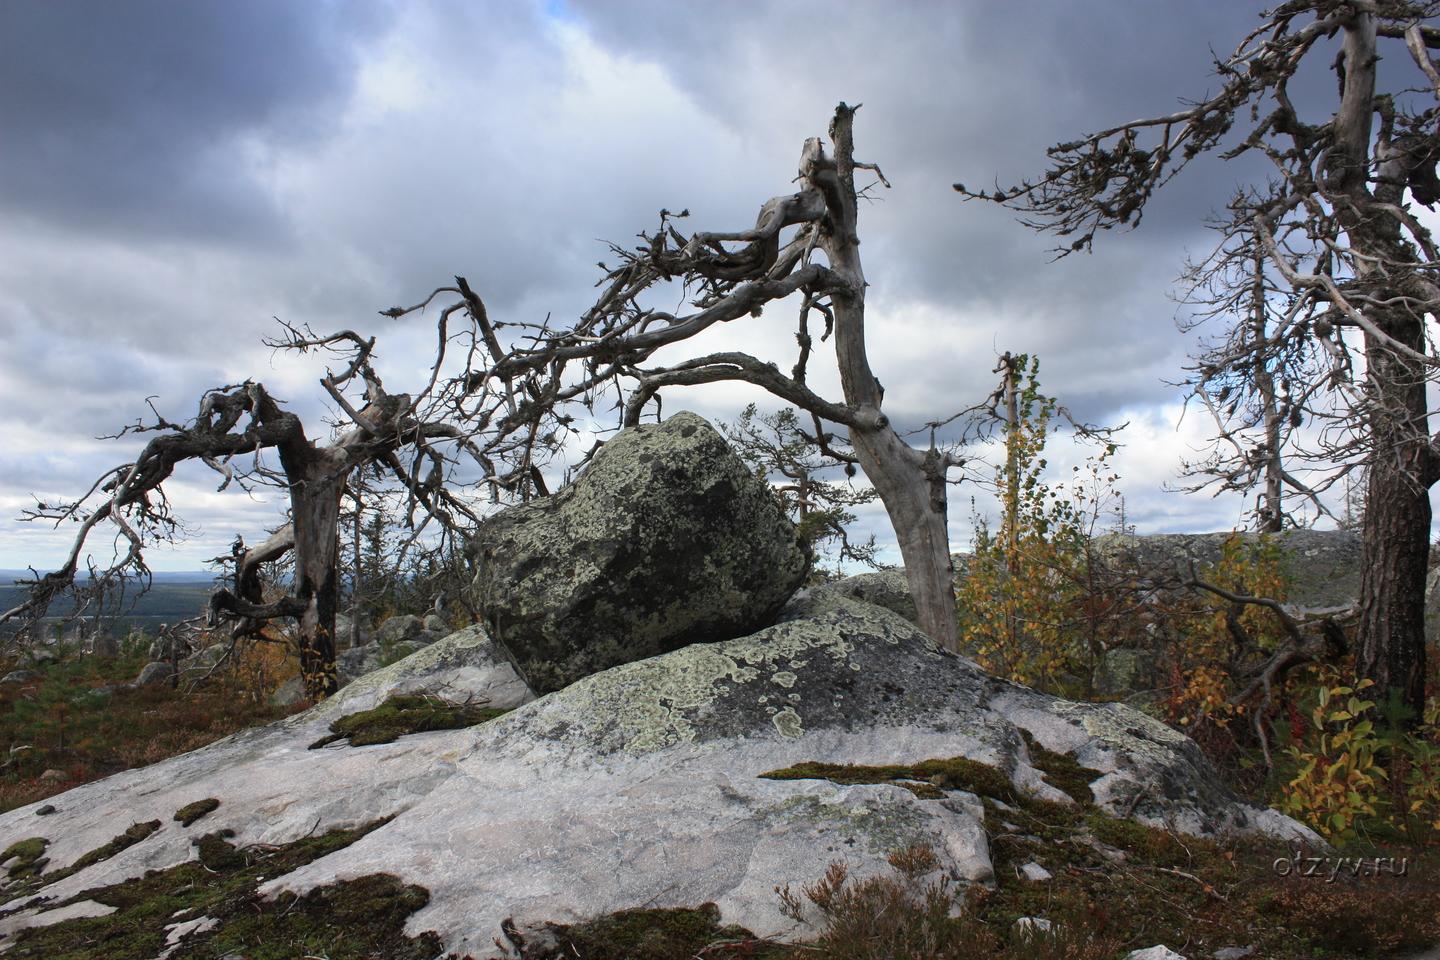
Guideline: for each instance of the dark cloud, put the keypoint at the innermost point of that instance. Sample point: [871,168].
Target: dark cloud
[366,151]
[131,115]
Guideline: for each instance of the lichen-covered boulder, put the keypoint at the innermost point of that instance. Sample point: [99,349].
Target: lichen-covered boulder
[665,540]
[884,588]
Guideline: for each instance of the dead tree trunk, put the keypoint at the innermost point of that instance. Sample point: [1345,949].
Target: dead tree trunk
[317,479]
[911,483]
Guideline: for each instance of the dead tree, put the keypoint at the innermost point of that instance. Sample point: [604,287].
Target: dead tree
[513,402]
[1349,275]
[520,395]
[243,419]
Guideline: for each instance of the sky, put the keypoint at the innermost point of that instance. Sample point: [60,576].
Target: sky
[175,176]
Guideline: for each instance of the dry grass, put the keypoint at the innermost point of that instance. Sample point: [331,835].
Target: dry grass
[62,730]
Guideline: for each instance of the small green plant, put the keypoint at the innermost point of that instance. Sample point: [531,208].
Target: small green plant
[1339,778]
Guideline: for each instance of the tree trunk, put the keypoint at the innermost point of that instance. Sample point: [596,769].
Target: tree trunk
[911,484]
[1396,551]
[317,479]
[1397,512]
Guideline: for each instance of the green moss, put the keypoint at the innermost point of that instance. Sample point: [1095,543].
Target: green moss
[1063,771]
[669,934]
[927,780]
[191,812]
[218,854]
[29,852]
[348,920]
[132,835]
[400,715]
[849,774]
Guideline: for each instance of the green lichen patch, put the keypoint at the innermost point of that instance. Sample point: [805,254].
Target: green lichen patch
[1063,771]
[928,779]
[655,934]
[29,851]
[191,812]
[400,715]
[349,920]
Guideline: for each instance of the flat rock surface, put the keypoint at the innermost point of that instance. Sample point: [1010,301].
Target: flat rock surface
[641,785]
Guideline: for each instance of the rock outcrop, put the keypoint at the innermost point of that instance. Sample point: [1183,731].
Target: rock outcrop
[642,784]
[1324,564]
[666,539]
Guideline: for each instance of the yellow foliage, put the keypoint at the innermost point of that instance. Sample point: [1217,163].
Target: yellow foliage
[1030,607]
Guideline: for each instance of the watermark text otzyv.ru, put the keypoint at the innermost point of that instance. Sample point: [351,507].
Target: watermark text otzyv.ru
[1330,868]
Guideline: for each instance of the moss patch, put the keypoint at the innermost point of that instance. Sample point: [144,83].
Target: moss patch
[927,780]
[1062,771]
[132,835]
[348,920]
[191,812]
[29,852]
[671,934]
[400,715]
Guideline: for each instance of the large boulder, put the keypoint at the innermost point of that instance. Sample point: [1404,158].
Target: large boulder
[665,540]
[638,786]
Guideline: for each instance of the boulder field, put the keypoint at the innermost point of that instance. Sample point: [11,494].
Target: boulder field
[640,785]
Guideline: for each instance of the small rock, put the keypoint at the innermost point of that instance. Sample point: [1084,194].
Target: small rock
[1027,927]
[1033,871]
[206,660]
[22,676]
[405,648]
[39,658]
[157,672]
[356,662]
[167,649]
[45,811]
[1233,953]
[436,624]
[1157,952]
[291,691]
[399,628]
[53,775]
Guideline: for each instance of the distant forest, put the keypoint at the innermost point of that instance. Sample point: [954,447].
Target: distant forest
[171,597]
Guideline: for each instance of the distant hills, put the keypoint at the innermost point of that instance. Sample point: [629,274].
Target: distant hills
[172,596]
